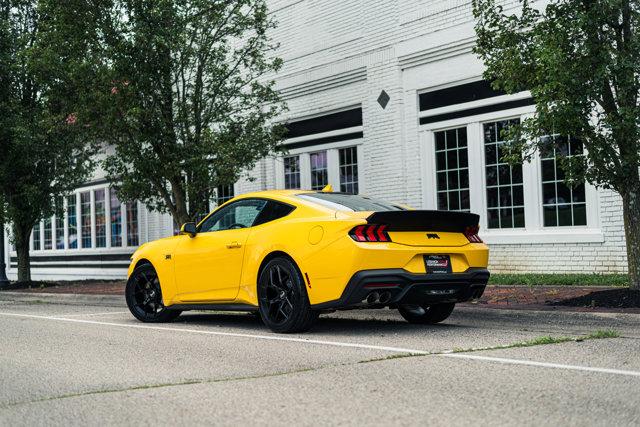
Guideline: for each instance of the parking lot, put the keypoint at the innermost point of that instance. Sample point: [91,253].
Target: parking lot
[70,364]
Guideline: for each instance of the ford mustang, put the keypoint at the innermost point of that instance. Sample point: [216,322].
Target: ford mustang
[290,255]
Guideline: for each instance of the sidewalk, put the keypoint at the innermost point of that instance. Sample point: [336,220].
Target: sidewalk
[564,298]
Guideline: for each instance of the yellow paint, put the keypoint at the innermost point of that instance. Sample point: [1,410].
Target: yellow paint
[222,266]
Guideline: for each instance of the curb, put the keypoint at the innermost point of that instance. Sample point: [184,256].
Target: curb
[67,299]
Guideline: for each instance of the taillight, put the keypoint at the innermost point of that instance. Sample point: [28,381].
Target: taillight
[370,233]
[472,234]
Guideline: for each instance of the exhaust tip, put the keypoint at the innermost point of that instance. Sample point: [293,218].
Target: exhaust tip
[373,298]
[385,297]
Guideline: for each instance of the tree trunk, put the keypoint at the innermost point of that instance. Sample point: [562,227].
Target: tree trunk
[631,210]
[22,235]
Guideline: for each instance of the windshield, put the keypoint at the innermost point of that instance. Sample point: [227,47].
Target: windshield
[350,202]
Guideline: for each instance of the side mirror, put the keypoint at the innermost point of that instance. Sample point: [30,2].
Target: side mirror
[189,228]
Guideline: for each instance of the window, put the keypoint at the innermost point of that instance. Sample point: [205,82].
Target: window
[224,193]
[292,172]
[36,237]
[115,216]
[132,224]
[319,174]
[349,202]
[452,168]
[505,192]
[60,231]
[272,211]
[85,218]
[348,170]
[239,214]
[562,205]
[48,242]
[100,218]
[72,233]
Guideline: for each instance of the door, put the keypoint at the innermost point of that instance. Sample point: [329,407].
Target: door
[209,265]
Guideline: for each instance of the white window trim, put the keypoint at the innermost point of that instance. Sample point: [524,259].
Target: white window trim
[534,231]
[333,164]
[93,249]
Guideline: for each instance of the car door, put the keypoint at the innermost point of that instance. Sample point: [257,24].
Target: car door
[209,265]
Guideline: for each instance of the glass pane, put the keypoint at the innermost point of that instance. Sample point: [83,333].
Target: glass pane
[518,217]
[72,221]
[492,197]
[580,214]
[440,143]
[492,218]
[132,224]
[550,218]
[116,218]
[506,219]
[548,170]
[452,140]
[564,215]
[85,218]
[100,218]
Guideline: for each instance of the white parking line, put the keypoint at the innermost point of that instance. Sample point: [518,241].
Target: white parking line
[541,364]
[399,350]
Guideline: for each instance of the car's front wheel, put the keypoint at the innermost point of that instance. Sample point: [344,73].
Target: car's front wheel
[282,295]
[426,314]
[144,296]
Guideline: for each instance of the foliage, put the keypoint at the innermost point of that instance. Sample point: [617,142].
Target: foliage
[44,79]
[581,62]
[189,105]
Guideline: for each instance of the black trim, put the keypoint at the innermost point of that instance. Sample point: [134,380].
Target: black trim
[422,220]
[460,94]
[478,110]
[326,123]
[220,307]
[78,257]
[327,140]
[410,288]
[45,265]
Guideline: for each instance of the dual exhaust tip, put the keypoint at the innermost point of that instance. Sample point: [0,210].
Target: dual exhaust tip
[378,297]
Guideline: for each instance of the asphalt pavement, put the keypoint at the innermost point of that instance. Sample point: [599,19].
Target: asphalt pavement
[69,364]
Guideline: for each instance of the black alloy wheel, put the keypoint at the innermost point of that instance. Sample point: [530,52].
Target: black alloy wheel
[144,296]
[282,294]
[426,314]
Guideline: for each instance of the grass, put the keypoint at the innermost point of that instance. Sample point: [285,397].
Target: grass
[536,279]
[609,333]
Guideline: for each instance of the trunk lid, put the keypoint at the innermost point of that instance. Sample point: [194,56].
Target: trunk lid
[423,227]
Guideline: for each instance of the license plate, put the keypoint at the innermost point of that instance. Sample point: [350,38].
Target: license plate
[437,264]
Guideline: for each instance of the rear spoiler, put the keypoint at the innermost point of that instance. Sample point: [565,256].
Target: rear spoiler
[444,221]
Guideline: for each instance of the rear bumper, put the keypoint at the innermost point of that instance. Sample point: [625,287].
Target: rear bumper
[398,286]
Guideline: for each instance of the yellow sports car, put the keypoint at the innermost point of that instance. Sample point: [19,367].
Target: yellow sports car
[291,255]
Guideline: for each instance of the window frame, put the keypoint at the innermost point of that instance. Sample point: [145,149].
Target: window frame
[333,164]
[228,205]
[534,230]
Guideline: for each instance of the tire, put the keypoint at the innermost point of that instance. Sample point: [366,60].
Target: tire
[144,296]
[426,314]
[282,298]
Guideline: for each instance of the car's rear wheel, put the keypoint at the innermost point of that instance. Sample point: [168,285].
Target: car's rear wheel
[282,295]
[144,296]
[426,314]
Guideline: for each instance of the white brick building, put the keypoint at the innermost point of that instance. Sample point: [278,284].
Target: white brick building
[388,98]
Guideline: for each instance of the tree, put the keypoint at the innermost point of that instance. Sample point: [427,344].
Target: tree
[44,79]
[190,105]
[581,62]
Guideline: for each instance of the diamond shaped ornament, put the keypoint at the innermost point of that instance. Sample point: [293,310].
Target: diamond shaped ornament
[383,99]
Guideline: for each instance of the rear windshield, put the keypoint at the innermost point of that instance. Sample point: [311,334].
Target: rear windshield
[350,202]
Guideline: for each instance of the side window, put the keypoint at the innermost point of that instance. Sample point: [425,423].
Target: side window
[240,214]
[273,210]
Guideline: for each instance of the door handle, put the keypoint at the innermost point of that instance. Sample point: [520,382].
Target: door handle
[233,245]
